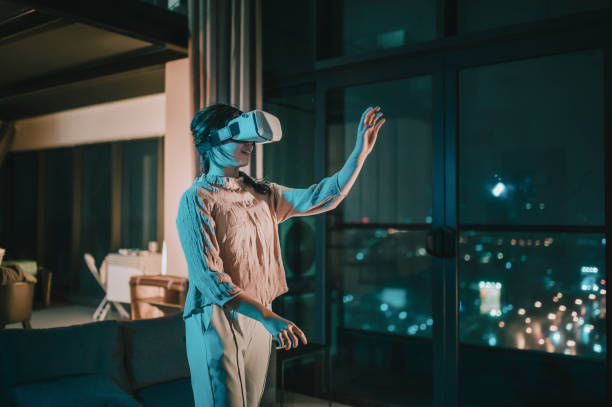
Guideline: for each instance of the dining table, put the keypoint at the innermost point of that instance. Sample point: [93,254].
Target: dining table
[117,269]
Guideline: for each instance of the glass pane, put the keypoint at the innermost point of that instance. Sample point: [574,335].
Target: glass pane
[514,295]
[379,276]
[476,15]
[400,167]
[139,193]
[288,38]
[295,109]
[386,280]
[538,292]
[360,26]
[57,218]
[531,141]
[532,304]
[95,232]
[178,6]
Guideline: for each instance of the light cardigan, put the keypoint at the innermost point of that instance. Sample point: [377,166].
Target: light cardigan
[229,234]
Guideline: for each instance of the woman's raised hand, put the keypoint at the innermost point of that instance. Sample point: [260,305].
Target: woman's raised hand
[367,132]
[285,332]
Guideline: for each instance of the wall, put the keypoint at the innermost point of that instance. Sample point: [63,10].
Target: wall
[179,156]
[134,118]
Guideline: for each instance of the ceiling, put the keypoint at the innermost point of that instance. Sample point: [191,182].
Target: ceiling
[57,55]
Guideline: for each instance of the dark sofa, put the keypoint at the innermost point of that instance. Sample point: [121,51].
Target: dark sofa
[107,363]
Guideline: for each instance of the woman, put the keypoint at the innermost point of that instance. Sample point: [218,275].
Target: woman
[227,224]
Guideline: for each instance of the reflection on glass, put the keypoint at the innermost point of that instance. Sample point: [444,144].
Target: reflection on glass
[395,183]
[288,38]
[294,108]
[178,6]
[379,275]
[537,291]
[476,15]
[297,117]
[386,280]
[531,141]
[356,26]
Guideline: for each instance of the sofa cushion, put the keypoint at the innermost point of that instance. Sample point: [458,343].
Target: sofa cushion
[32,355]
[176,393]
[85,390]
[155,350]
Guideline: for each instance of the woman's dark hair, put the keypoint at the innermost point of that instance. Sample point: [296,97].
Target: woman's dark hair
[215,117]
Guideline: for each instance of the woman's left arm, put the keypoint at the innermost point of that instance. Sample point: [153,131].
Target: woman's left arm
[330,191]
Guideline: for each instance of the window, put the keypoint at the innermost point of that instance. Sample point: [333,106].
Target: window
[531,152]
[358,26]
[474,15]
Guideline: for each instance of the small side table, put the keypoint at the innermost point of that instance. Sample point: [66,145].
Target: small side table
[148,293]
[284,356]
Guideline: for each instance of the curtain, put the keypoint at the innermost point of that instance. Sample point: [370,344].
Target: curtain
[225,55]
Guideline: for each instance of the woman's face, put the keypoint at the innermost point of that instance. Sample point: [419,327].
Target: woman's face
[234,153]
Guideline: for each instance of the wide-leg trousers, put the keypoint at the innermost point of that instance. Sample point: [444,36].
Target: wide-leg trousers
[228,356]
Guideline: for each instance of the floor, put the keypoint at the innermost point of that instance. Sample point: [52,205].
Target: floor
[300,400]
[62,314]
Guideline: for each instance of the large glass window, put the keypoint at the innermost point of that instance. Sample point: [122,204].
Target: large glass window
[359,26]
[531,156]
[295,109]
[476,15]
[514,295]
[532,141]
[378,270]
[394,185]
[288,32]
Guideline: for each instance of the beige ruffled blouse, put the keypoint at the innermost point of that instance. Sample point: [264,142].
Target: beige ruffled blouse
[229,234]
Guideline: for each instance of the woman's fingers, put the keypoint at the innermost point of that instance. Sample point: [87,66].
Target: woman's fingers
[287,339]
[280,339]
[376,118]
[290,337]
[370,115]
[380,123]
[294,338]
[363,121]
[301,335]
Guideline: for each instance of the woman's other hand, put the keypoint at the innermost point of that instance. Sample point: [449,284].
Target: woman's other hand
[367,132]
[285,332]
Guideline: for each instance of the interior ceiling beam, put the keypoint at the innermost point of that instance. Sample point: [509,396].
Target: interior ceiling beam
[126,61]
[128,17]
[25,23]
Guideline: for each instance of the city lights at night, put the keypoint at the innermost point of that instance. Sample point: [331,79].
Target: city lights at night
[549,314]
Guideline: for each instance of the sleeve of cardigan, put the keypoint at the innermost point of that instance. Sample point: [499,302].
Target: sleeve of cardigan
[317,198]
[196,229]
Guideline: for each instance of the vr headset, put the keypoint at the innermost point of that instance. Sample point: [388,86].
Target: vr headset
[256,125]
